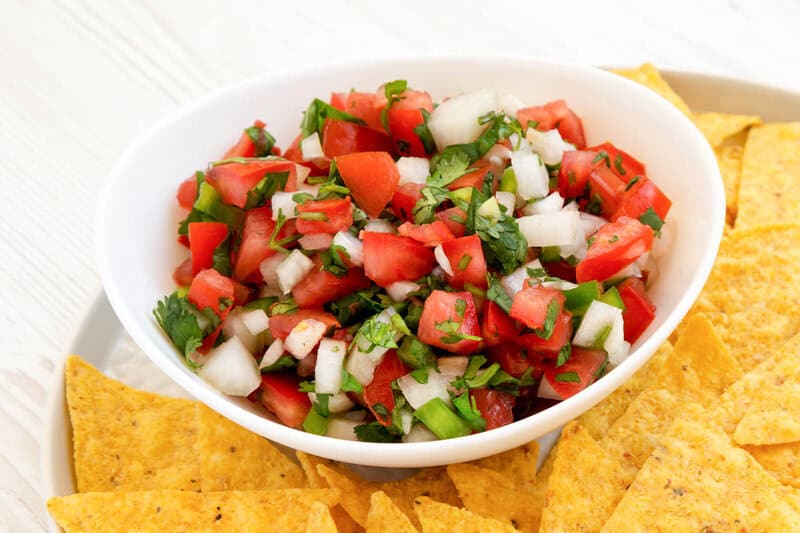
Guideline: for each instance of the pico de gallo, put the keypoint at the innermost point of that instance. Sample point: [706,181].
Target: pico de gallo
[407,271]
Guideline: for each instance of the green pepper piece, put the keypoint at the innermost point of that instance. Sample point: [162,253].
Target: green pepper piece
[441,420]
[579,298]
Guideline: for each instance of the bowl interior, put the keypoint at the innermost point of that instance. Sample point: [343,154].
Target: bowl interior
[136,227]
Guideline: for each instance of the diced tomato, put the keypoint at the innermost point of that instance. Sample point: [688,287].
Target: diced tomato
[573,175]
[456,220]
[389,258]
[404,200]
[210,289]
[294,154]
[241,293]
[187,193]
[281,325]
[639,309]
[515,360]
[642,195]
[531,304]
[496,407]
[183,275]
[557,115]
[615,246]
[245,147]
[403,117]
[560,269]
[280,394]
[446,318]
[320,286]
[372,178]
[432,234]
[497,326]
[204,237]
[254,248]
[473,178]
[234,180]
[467,261]
[562,333]
[183,240]
[605,189]
[577,373]
[340,137]
[379,390]
[339,101]
[336,215]
[622,164]
[367,107]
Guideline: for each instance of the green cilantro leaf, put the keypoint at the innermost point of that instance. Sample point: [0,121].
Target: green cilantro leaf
[374,432]
[564,354]
[424,134]
[262,139]
[546,331]
[392,90]
[350,384]
[568,377]
[602,155]
[618,165]
[497,293]
[184,323]
[333,260]
[650,218]
[467,409]
[284,362]
[316,114]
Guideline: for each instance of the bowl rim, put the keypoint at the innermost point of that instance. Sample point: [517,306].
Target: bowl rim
[421,453]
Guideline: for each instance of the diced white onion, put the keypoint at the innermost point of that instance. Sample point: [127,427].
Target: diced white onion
[513,282]
[379,225]
[269,269]
[533,181]
[313,190]
[337,403]
[561,284]
[357,416]
[498,155]
[548,144]
[631,270]
[547,391]
[442,259]
[330,360]
[552,203]
[303,337]
[340,428]
[316,241]
[507,200]
[406,420]
[311,147]
[437,272]
[399,290]
[273,353]
[509,104]
[572,206]
[364,357]
[453,366]
[302,173]
[419,433]
[598,317]
[352,245]
[490,209]
[455,121]
[552,229]
[292,269]
[231,369]
[256,320]
[282,203]
[234,326]
[590,223]
[418,394]
[413,169]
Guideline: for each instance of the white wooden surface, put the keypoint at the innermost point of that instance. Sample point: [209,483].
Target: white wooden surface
[80,80]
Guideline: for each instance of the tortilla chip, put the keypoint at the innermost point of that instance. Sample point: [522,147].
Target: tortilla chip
[494,495]
[384,515]
[309,463]
[356,492]
[697,480]
[538,493]
[648,75]
[599,418]
[782,461]
[772,419]
[769,191]
[234,458]
[320,519]
[518,464]
[729,159]
[125,439]
[585,486]
[752,293]
[172,510]
[438,517]
[717,127]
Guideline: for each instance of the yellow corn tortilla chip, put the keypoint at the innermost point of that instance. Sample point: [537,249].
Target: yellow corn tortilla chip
[344,522]
[234,458]
[538,493]
[518,464]
[585,486]
[438,517]
[782,461]
[125,439]
[172,510]
[384,515]
[488,493]
[648,75]
[599,418]
[773,418]
[356,492]
[752,293]
[717,127]
[768,190]
[729,159]
[697,480]
[320,519]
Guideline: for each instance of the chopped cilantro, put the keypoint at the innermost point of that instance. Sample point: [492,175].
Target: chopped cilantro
[184,323]
[618,165]
[349,383]
[416,353]
[632,183]
[568,377]
[261,303]
[284,306]
[279,244]
[564,354]
[553,309]
[424,133]
[425,209]
[378,333]
[315,423]
[264,189]
[464,262]
[284,362]
[374,432]
[221,260]
[602,155]
[452,335]
[314,117]
[321,405]
[392,90]
[497,293]
[468,410]
[650,218]
[332,260]
[420,375]
[380,410]
[262,139]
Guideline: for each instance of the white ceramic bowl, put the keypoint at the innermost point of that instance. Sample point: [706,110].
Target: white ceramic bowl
[138,215]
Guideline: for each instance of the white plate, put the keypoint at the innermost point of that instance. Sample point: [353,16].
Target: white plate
[102,341]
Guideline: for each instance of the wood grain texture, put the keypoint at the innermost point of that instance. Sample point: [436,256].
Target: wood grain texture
[80,80]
